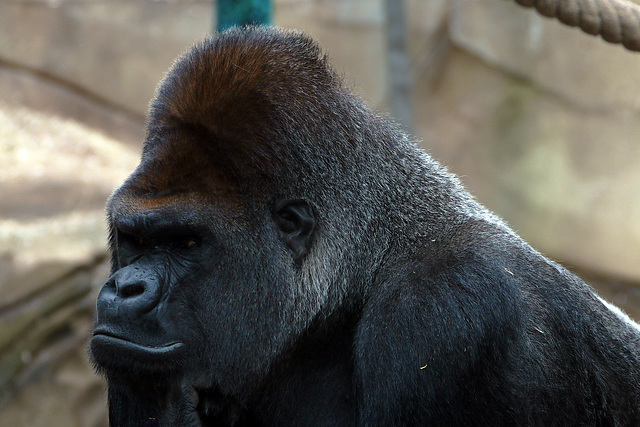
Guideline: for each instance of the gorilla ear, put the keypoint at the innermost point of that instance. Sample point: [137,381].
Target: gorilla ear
[296,222]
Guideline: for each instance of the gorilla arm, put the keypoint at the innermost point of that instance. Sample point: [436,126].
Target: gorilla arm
[441,324]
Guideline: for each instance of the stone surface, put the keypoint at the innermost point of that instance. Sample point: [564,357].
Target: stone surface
[68,395]
[55,176]
[543,121]
[565,178]
[117,50]
[28,88]
[582,69]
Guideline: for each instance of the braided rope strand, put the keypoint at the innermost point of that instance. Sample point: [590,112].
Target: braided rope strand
[617,21]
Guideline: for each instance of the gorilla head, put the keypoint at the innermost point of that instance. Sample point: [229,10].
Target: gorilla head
[228,239]
[284,256]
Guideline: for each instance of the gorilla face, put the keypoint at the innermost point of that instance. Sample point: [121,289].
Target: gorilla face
[193,293]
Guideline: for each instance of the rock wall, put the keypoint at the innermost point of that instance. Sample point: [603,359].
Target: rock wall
[55,175]
[559,141]
[553,110]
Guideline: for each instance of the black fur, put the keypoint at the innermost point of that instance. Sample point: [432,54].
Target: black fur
[285,257]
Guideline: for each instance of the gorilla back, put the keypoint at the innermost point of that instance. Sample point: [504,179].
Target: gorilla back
[284,256]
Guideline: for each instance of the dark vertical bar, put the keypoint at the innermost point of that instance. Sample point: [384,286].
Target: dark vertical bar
[398,64]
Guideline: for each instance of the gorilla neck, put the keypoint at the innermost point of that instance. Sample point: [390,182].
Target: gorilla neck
[317,378]
[314,379]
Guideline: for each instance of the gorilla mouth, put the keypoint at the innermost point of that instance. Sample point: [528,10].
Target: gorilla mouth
[103,341]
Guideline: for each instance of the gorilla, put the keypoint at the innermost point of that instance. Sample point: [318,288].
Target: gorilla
[283,256]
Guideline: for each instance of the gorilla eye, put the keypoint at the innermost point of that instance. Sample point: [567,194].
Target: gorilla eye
[132,240]
[185,243]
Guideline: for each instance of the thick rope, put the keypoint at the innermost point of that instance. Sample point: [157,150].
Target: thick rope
[617,21]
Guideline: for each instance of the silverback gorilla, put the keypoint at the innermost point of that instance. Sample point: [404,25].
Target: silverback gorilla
[283,256]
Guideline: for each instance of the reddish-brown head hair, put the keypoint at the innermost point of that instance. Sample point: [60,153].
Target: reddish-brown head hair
[240,98]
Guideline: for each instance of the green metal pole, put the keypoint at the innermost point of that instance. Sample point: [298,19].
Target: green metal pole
[243,12]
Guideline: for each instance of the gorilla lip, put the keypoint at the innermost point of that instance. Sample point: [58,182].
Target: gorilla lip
[105,339]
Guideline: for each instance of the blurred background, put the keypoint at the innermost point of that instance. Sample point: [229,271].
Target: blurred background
[540,120]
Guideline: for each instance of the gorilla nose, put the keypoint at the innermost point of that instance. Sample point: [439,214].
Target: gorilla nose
[130,293]
[130,290]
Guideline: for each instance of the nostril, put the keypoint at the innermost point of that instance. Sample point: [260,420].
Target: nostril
[110,283]
[131,290]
